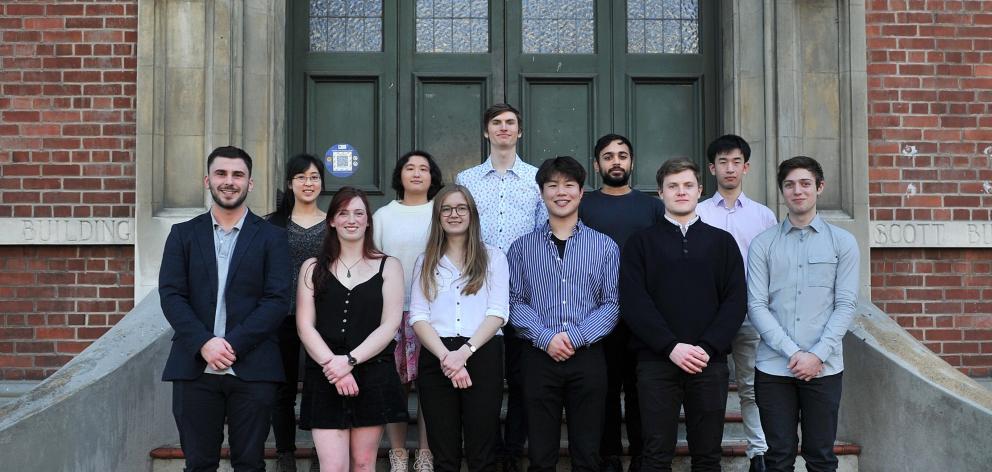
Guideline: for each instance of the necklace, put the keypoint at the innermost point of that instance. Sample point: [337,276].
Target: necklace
[348,267]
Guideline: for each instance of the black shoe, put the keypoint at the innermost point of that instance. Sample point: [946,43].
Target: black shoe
[511,463]
[757,464]
[635,464]
[285,461]
[611,464]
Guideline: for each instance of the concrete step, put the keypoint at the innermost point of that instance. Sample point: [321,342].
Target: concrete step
[170,459]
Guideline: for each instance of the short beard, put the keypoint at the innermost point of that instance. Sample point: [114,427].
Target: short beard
[215,194]
[611,181]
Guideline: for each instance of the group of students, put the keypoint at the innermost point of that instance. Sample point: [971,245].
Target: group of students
[513,272]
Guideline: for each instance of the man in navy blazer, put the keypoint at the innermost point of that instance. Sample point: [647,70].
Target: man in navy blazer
[224,287]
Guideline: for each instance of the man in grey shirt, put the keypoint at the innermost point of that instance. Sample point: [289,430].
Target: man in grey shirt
[802,283]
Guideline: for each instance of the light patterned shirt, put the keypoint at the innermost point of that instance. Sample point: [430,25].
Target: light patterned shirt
[510,204]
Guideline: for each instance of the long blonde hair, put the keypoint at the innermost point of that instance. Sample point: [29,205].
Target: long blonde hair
[476,257]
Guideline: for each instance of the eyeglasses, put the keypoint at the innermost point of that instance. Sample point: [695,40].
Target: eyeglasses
[460,210]
[307,179]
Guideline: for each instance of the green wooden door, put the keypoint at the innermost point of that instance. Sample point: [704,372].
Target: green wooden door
[388,76]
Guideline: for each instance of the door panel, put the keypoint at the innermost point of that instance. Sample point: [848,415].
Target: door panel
[665,122]
[447,122]
[559,117]
[328,124]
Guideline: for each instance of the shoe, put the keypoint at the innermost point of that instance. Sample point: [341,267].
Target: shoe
[610,464]
[757,464]
[399,460]
[635,464]
[424,461]
[285,461]
[511,463]
[314,461]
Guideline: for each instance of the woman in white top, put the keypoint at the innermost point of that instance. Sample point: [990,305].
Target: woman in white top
[460,301]
[400,229]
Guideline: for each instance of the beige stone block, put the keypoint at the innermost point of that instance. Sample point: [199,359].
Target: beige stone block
[819,34]
[184,101]
[185,167]
[222,34]
[821,106]
[148,10]
[184,33]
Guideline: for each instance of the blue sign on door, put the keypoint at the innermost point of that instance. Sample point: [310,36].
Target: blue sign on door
[341,160]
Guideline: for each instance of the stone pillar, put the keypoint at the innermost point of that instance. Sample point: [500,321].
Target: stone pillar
[210,73]
[795,82]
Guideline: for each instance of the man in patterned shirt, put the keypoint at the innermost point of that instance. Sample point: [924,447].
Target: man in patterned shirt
[563,301]
[510,206]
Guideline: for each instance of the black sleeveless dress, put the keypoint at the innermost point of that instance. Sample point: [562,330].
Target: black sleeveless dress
[344,319]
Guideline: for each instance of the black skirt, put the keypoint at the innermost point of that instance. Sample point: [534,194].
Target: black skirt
[380,399]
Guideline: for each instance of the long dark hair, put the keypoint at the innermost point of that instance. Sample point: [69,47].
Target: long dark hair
[437,180]
[297,164]
[331,248]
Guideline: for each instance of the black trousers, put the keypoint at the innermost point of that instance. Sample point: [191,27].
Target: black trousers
[200,407]
[473,413]
[284,414]
[787,402]
[515,425]
[621,373]
[578,385]
[665,388]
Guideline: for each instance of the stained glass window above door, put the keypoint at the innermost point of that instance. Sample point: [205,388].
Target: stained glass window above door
[345,25]
[663,26]
[453,26]
[559,27]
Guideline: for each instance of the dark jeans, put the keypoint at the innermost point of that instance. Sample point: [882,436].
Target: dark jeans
[515,426]
[784,403]
[665,388]
[577,384]
[200,407]
[283,414]
[451,413]
[621,365]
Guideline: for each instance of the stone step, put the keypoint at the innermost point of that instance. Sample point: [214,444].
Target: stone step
[170,459]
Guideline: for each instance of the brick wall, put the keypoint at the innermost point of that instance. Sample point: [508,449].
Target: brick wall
[930,131]
[55,300]
[67,92]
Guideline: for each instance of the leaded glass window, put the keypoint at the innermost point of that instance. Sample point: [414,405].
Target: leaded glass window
[345,25]
[452,26]
[559,27]
[663,26]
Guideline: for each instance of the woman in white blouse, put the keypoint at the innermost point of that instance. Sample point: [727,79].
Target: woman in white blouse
[459,301]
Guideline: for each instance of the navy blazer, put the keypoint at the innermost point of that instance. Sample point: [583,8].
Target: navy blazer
[257,297]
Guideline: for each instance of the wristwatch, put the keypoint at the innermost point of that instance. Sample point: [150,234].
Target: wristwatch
[351,360]
[470,347]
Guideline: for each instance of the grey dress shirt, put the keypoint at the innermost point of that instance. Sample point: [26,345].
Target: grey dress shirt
[224,242]
[802,289]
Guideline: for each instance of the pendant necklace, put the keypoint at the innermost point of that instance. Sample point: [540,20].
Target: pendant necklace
[348,267]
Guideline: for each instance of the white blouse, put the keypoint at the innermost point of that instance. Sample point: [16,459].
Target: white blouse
[452,313]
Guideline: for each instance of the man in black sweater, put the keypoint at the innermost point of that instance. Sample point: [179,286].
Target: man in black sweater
[683,295]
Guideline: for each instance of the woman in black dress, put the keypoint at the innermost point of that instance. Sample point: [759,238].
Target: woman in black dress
[304,223]
[349,306]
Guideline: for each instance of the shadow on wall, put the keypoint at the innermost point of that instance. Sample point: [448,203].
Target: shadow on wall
[905,406]
[104,410]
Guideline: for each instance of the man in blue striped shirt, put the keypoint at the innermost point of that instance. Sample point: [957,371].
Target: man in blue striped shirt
[563,301]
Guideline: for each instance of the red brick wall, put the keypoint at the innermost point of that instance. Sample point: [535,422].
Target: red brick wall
[67,132]
[55,300]
[930,87]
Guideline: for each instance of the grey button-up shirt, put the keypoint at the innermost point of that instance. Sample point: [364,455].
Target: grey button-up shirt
[224,242]
[802,287]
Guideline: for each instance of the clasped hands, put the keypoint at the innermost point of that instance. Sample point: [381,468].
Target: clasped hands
[805,365]
[218,353]
[338,372]
[453,364]
[560,348]
[690,358]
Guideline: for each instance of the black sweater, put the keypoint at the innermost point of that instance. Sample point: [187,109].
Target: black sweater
[676,289]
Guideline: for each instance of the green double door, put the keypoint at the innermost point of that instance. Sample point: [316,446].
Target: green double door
[384,77]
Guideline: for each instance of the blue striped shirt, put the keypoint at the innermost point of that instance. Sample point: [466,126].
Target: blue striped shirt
[576,295]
